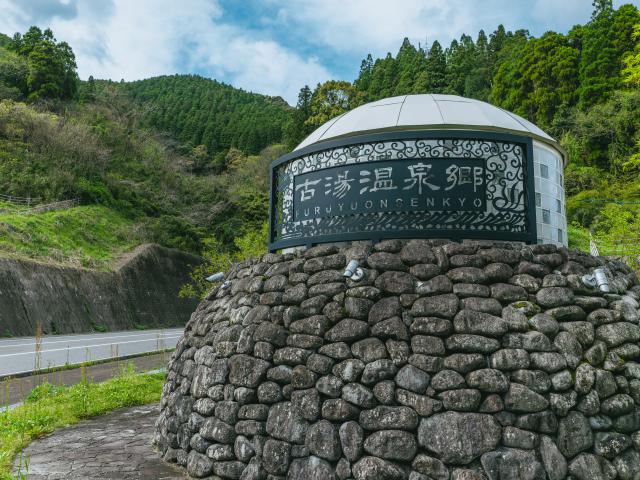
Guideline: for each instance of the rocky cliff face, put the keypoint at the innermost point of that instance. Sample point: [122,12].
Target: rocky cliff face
[446,361]
[143,290]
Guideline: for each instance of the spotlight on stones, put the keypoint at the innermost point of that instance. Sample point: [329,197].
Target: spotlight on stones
[597,280]
[216,277]
[353,271]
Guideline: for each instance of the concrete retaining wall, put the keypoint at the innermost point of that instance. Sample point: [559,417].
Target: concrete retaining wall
[143,290]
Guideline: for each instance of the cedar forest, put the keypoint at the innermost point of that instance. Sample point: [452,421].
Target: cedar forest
[183,159]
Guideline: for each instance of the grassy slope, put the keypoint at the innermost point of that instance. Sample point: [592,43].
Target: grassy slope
[88,236]
[49,407]
[578,238]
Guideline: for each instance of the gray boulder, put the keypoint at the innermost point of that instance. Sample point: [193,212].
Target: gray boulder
[459,438]
[323,441]
[286,423]
[310,468]
[574,434]
[508,464]
[392,445]
[374,468]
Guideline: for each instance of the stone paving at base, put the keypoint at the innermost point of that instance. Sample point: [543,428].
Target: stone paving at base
[112,446]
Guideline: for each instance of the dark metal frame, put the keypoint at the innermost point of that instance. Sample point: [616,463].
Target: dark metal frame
[524,141]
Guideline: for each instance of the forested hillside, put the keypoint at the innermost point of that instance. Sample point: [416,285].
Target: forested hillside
[582,87]
[202,112]
[97,141]
[539,78]
[182,160]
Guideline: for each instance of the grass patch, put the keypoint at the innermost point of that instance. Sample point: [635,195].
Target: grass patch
[98,327]
[49,407]
[578,237]
[88,236]
[608,244]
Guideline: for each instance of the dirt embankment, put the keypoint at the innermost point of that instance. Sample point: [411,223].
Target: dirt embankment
[142,290]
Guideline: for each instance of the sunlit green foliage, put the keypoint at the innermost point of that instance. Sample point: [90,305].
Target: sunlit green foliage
[330,99]
[217,258]
[631,71]
[88,236]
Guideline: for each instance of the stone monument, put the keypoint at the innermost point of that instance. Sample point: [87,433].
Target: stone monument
[437,330]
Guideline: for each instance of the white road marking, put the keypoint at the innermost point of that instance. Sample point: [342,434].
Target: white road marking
[58,351]
[81,338]
[84,347]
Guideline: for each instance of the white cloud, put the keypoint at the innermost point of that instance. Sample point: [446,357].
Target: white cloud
[143,38]
[135,39]
[560,15]
[260,65]
[378,26]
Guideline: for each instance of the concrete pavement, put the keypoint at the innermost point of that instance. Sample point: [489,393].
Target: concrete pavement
[19,355]
[114,446]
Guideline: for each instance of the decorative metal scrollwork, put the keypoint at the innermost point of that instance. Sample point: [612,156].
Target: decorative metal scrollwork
[505,191]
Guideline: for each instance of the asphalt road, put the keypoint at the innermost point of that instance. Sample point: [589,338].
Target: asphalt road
[18,355]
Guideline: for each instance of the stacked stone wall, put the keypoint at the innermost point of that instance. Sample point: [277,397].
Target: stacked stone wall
[461,361]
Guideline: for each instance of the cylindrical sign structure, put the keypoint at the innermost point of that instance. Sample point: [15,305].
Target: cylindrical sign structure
[420,166]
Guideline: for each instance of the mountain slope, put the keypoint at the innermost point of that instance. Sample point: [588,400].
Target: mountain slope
[201,111]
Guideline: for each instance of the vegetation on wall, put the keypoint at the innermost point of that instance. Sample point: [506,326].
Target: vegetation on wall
[89,236]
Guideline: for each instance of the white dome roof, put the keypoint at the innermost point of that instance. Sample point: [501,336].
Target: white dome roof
[425,112]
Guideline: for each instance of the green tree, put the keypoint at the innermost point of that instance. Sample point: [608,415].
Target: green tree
[436,69]
[461,62]
[297,128]
[478,83]
[363,82]
[408,63]
[196,110]
[631,71]
[89,92]
[538,77]
[43,80]
[330,99]
[13,75]
[605,41]
[497,41]
[51,64]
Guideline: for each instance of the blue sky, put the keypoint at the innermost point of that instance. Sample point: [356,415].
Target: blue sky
[268,46]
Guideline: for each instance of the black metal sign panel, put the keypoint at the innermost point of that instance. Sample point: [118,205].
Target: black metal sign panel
[403,185]
[431,184]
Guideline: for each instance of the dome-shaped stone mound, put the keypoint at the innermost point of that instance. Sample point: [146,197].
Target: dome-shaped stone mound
[446,361]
